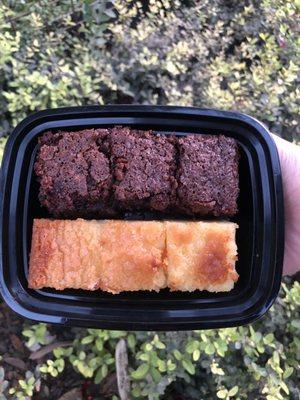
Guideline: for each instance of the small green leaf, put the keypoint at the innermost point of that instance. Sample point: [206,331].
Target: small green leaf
[60,365]
[54,373]
[31,381]
[177,354]
[196,355]
[203,337]
[110,361]
[296,323]
[288,372]
[161,365]
[221,394]
[257,336]
[104,370]
[233,391]
[116,334]
[170,365]
[260,348]
[31,341]
[23,384]
[160,345]
[58,352]
[284,387]
[82,368]
[148,347]
[136,392]
[191,347]
[276,357]
[269,338]
[99,344]
[87,339]
[131,341]
[94,362]
[155,375]
[140,372]
[68,351]
[50,369]
[98,376]
[188,366]
[144,357]
[153,359]
[209,349]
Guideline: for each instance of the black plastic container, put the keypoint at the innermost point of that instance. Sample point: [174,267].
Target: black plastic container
[260,237]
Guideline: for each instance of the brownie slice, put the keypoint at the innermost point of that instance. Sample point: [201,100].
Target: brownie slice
[73,170]
[144,170]
[207,175]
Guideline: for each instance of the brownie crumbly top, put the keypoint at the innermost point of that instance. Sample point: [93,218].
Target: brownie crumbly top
[108,172]
[208,175]
[73,171]
[144,169]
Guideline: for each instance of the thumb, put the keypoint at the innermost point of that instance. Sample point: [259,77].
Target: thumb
[289,155]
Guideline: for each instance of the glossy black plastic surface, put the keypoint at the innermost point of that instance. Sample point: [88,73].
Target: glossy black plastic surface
[260,237]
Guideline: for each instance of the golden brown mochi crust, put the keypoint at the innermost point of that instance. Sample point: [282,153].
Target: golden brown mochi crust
[132,256]
[113,256]
[201,255]
[117,256]
[65,254]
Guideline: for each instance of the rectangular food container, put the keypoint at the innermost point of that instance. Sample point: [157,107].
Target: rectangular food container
[260,237]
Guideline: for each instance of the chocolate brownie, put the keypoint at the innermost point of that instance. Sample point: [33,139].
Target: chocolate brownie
[107,172]
[144,167]
[73,169]
[207,175]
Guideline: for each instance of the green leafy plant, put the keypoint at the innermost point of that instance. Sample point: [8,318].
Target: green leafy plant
[25,387]
[252,361]
[226,55]
[37,335]
[53,367]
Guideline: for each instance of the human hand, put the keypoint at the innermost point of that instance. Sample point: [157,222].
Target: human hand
[289,155]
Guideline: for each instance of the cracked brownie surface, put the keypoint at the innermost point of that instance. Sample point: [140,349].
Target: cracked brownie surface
[118,171]
[74,173]
[207,175]
[144,170]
